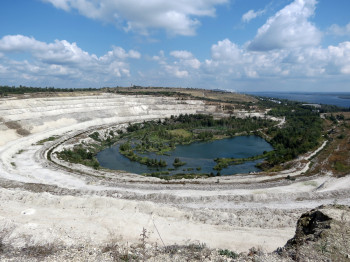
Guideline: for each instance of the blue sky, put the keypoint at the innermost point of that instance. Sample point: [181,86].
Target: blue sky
[238,45]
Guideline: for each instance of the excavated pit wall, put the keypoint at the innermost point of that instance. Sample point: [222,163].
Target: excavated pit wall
[67,116]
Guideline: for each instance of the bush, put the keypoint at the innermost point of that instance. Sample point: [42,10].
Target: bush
[177,162]
[228,253]
[95,136]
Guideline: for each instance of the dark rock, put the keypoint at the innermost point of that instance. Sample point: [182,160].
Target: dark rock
[322,234]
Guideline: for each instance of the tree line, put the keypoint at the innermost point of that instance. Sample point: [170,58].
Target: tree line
[6,90]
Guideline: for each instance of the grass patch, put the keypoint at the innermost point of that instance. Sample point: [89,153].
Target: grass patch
[340,167]
[49,139]
[310,183]
[180,133]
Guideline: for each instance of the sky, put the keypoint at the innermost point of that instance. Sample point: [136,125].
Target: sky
[236,45]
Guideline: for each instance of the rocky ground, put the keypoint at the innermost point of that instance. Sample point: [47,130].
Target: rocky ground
[322,234]
[59,211]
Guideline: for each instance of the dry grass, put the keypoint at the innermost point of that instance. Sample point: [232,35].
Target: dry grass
[19,129]
[198,93]
[335,158]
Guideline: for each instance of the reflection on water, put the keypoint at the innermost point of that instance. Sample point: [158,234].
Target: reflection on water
[196,155]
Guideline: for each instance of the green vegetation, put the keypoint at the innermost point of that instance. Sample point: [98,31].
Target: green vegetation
[225,162]
[79,155]
[126,150]
[51,138]
[5,90]
[178,162]
[162,136]
[95,136]
[165,175]
[180,133]
[86,154]
[301,133]
[340,167]
[228,253]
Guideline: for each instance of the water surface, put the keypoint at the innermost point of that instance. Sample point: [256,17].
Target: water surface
[195,155]
[338,99]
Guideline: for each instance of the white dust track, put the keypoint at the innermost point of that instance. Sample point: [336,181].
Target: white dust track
[41,202]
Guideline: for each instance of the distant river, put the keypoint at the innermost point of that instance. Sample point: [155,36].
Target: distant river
[338,99]
[196,155]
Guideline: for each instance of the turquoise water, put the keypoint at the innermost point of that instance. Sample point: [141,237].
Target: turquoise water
[195,155]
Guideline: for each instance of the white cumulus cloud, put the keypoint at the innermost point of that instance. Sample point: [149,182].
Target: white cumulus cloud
[229,61]
[288,28]
[251,14]
[180,64]
[225,50]
[62,59]
[186,59]
[176,17]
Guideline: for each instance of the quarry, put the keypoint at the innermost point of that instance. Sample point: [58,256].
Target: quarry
[47,202]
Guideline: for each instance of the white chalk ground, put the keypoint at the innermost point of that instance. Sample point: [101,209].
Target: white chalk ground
[44,218]
[237,213]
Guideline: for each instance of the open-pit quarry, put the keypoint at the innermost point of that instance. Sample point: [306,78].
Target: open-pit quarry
[46,201]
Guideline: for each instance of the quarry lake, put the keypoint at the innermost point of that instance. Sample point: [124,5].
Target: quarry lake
[199,157]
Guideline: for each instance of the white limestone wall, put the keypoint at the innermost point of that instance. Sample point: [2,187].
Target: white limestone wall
[64,116]
[38,114]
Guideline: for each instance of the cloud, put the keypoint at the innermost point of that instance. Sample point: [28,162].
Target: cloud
[177,72]
[251,14]
[186,59]
[182,54]
[18,43]
[339,30]
[339,58]
[63,60]
[182,64]
[229,62]
[175,17]
[288,28]
[61,4]
[225,50]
